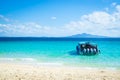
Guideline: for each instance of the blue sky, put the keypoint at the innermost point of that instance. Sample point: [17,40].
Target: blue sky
[59,17]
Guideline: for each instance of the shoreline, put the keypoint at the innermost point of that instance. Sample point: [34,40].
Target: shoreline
[33,62]
[17,71]
[44,64]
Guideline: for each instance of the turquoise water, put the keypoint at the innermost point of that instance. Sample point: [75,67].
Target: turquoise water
[60,52]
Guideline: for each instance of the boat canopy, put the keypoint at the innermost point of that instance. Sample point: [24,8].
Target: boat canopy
[86,43]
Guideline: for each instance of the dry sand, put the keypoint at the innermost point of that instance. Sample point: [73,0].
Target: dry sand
[13,71]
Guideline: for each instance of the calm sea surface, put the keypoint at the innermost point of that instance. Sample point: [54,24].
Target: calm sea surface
[60,51]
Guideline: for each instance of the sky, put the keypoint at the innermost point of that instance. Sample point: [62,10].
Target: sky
[59,18]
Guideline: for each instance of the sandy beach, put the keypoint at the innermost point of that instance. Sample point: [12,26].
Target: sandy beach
[13,71]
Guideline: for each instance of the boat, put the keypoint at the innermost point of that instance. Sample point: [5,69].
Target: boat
[87,48]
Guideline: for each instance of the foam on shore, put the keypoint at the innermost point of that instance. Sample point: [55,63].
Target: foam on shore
[16,59]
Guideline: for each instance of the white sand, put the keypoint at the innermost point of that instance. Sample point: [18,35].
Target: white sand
[13,71]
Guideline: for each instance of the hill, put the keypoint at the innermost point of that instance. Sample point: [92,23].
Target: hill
[85,35]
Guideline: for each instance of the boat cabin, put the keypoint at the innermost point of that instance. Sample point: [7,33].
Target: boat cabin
[86,48]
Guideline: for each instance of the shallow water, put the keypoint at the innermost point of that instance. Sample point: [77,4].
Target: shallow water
[60,52]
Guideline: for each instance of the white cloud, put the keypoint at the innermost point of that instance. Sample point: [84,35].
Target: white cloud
[107,9]
[114,4]
[4,18]
[118,8]
[97,22]
[53,18]
[27,29]
[99,17]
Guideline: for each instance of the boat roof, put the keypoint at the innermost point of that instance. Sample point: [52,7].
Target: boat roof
[86,42]
[81,42]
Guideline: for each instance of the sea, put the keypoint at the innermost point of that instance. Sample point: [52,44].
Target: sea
[59,51]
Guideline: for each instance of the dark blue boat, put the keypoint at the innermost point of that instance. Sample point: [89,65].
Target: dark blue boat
[86,48]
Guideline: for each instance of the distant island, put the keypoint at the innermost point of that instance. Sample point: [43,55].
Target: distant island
[76,37]
[85,35]
[82,35]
